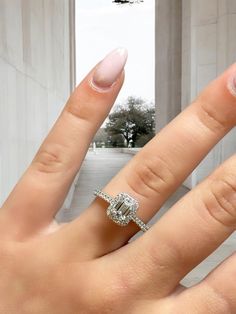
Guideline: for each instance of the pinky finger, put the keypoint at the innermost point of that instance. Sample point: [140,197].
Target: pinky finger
[216,293]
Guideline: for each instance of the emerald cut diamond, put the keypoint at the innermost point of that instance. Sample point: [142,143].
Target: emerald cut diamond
[122,209]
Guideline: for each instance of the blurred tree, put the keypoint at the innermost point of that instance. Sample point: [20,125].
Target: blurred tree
[100,138]
[127,1]
[120,1]
[115,140]
[132,120]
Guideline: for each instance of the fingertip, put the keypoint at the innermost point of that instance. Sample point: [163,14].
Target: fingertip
[107,73]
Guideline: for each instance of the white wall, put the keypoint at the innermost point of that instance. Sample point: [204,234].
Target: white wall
[36,77]
[168,60]
[209,47]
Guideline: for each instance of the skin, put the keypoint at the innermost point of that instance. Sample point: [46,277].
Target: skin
[88,266]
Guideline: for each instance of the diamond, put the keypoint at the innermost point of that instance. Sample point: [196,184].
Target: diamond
[122,209]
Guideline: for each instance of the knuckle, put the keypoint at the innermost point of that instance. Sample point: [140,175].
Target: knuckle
[118,289]
[221,201]
[50,159]
[211,118]
[106,292]
[111,297]
[218,302]
[163,264]
[80,107]
[151,176]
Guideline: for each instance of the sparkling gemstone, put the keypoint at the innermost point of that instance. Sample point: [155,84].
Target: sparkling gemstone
[122,209]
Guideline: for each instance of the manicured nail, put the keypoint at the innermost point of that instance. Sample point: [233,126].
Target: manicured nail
[108,71]
[232,85]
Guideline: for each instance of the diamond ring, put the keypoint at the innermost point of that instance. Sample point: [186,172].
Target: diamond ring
[122,209]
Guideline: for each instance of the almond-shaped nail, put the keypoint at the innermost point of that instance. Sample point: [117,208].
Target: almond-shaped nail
[110,68]
[232,84]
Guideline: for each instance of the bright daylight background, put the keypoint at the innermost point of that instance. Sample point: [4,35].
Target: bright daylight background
[102,26]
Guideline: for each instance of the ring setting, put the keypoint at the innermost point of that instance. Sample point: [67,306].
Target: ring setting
[122,209]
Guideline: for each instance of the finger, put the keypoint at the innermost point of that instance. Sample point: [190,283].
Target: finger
[190,231]
[161,166]
[216,293]
[42,189]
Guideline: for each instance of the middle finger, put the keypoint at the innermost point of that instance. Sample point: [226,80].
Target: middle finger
[161,166]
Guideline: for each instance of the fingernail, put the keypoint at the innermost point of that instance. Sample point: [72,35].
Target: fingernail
[108,71]
[232,85]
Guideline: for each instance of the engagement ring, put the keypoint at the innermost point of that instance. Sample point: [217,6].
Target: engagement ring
[122,209]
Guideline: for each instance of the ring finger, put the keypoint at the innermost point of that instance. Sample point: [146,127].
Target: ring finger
[160,167]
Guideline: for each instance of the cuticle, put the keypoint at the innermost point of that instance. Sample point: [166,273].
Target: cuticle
[100,89]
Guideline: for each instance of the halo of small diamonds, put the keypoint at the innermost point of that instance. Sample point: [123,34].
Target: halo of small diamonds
[122,209]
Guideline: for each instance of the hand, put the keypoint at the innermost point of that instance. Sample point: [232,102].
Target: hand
[87,266]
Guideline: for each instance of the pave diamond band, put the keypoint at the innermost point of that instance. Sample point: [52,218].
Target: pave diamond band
[122,209]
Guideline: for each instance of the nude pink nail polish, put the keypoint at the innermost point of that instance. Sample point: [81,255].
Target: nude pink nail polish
[109,69]
[232,85]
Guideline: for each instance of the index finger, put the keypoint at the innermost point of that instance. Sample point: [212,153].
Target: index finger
[42,189]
